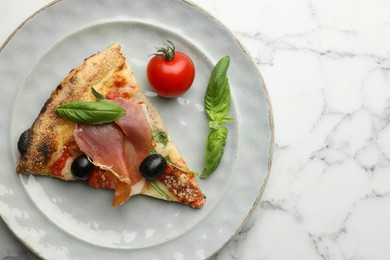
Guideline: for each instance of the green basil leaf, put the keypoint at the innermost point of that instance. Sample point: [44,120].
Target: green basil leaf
[160,137]
[97,95]
[217,98]
[88,112]
[215,144]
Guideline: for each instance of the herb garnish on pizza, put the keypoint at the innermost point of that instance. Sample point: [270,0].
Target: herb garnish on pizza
[97,126]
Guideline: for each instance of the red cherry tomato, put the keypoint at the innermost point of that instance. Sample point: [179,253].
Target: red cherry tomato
[170,73]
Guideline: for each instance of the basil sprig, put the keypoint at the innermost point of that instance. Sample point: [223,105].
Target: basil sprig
[217,104]
[91,112]
[159,190]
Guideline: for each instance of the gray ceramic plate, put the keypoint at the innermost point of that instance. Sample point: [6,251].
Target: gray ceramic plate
[71,220]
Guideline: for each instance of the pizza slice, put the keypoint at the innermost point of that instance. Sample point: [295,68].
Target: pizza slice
[112,155]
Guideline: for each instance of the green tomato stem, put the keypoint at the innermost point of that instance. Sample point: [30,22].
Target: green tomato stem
[167,53]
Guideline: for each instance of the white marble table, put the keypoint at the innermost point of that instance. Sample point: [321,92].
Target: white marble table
[327,68]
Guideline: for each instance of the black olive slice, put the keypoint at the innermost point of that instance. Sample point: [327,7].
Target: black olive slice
[153,166]
[81,167]
[23,142]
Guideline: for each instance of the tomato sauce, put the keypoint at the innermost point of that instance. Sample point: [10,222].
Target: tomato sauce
[116,92]
[120,89]
[100,179]
[184,190]
[59,164]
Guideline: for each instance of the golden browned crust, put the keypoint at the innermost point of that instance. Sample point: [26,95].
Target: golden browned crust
[50,133]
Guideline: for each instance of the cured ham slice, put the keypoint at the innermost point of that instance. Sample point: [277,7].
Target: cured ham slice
[118,147]
[136,127]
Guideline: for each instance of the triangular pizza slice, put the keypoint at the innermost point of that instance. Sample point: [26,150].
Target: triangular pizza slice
[112,155]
